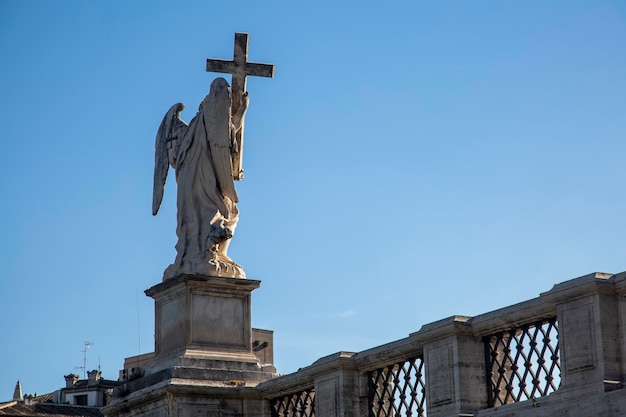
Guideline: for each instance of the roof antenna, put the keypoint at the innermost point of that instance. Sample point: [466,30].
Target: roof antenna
[84,367]
[138,326]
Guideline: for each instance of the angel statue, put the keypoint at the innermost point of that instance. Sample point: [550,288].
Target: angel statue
[202,154]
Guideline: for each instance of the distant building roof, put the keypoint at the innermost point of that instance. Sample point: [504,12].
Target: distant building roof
[85,384]
[15,408]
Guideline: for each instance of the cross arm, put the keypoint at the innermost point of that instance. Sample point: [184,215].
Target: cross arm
[248,68]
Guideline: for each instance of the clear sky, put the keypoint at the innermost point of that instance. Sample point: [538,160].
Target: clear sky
[409,161]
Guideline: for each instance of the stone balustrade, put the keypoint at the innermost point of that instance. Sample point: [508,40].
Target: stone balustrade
[558,354]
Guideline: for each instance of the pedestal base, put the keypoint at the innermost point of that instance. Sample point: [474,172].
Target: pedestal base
[181,397]
[204,361]
[210,314]
[209,264]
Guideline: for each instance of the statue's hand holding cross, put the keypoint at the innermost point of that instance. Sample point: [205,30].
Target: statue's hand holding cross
[239,67]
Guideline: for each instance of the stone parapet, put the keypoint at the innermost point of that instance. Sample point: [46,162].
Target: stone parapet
[582,323]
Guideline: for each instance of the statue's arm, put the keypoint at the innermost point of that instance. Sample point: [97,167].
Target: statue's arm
[241,113]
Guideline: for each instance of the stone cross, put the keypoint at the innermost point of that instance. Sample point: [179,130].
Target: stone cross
[239,67]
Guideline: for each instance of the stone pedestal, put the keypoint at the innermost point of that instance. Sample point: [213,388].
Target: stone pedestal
[204,358]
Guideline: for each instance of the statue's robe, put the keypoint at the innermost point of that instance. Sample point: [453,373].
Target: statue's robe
[206,216]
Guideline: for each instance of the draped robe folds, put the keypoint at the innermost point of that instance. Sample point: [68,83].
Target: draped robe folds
[206,216]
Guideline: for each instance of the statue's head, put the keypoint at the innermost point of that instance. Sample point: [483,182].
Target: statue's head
[219,88]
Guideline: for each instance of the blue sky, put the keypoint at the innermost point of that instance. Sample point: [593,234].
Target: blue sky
[409,161]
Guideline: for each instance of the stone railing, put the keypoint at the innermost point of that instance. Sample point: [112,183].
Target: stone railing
[558,354]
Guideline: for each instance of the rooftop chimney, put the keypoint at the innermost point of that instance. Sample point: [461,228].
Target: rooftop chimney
[93,377]
[71,380]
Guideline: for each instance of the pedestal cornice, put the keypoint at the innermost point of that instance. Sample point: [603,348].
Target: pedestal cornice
[200,281]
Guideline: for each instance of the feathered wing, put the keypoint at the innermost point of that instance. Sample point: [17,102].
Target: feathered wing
[170,132]
[218,127]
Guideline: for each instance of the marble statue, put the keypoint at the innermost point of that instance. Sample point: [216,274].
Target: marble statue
[202,155]
[207,157]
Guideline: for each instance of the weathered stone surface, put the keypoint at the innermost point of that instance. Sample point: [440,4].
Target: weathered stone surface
[210,315]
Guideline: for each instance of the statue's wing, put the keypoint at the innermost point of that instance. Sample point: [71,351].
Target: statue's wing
[217,121]
[171,129]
